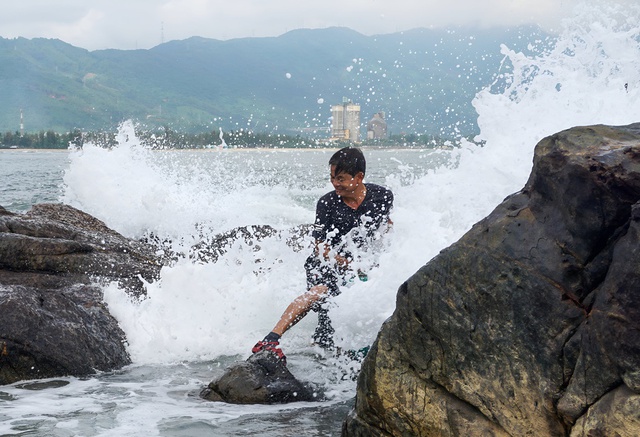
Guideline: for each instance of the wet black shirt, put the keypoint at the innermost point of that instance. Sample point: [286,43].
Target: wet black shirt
[335,219]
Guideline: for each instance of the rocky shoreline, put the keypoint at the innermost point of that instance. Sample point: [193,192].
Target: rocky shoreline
[528,325]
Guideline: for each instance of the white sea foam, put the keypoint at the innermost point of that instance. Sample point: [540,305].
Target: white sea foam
[201,311]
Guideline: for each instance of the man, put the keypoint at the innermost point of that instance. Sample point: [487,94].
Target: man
[348,218]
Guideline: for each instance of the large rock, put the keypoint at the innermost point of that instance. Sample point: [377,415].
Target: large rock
[69,246]
[57,332]
[530,324]
[54,321]
[261,379]
[53,260]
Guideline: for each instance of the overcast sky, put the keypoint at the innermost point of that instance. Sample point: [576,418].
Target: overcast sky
[131,24]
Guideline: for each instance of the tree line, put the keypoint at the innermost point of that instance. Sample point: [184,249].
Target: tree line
[163,139]
[170,139]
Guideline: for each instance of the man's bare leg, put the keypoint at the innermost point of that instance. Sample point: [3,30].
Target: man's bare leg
[299,308]
[295,312]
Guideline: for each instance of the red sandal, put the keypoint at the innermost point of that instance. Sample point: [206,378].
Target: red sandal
[271,346]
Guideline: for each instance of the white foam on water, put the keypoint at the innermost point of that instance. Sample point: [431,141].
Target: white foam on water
[200,314]
[200,311]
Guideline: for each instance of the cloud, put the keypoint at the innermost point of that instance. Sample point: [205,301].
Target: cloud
[145,23]
[78,29]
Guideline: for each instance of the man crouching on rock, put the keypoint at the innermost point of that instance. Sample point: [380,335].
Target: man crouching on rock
[352,216]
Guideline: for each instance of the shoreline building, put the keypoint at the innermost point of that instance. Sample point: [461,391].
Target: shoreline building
[345,121]
[377,127]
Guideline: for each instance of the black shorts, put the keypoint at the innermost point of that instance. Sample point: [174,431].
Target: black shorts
[319,273]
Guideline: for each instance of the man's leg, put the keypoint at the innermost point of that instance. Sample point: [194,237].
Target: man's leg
[321,281]
[323,335]
[299,308]
[295,312]
[319,273]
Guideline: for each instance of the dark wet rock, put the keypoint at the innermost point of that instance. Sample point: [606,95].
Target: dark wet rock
[261,379]
[210,249]
[54,321]
[57,332]
[58,244]
[530,323]
[211,246]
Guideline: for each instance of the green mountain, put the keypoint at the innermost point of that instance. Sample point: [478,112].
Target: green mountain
[424,80]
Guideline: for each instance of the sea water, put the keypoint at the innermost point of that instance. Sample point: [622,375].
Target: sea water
[200,317]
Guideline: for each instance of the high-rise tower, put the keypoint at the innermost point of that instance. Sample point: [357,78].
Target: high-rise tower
[345,123]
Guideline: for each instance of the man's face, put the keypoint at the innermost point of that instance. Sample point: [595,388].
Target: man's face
[345,184]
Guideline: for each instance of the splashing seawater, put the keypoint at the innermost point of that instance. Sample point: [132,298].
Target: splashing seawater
[590,75]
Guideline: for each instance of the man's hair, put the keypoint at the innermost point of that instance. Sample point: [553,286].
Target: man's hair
[349,160]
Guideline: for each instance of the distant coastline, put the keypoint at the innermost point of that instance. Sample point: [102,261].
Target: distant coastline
[244,149]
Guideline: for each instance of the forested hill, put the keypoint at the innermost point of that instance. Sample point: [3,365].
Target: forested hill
[424,80]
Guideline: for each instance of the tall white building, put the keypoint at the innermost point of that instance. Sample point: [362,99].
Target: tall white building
[345,121]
